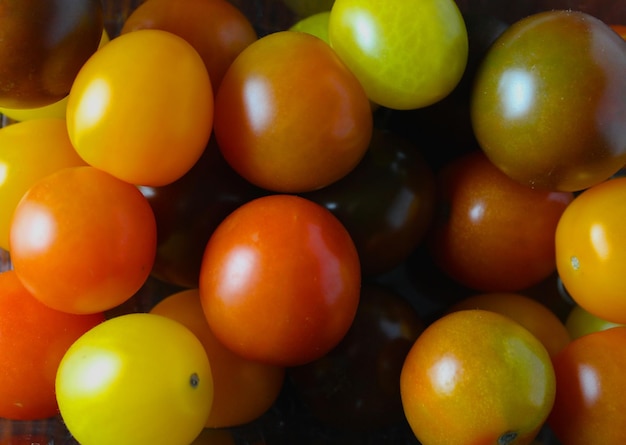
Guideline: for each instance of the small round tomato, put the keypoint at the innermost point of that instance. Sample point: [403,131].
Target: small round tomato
[243,389]
[280,280]
[216,29]
[406,53]
[476,376]
[316,24]
[142,116]
[82,240]
[549,101]
[43,46]
[136,378]
[589,257]
[590,405]
[493,234]
[284,128]
[581,322]
[33,339]
[24,145]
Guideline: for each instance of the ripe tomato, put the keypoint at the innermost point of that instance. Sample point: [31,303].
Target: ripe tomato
[243,389]
[549,101]
[281,127]
[82,241]
[590,407]
[492,233]
[534,316]
[42,47]
[406,53]
[476,376]
[33,339]
[216,29]
[280,280]
[588,260]
[24,145]
[136,378]
[142,116]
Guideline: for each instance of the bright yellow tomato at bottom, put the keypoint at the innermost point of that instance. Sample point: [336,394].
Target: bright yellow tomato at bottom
[135,379]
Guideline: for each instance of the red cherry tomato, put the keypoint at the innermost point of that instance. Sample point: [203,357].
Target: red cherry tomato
[280,280]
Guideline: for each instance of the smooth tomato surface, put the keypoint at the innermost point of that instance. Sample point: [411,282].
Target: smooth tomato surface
[581,322]
[476,376]
[589,405]
[589,257]
[491,233]
[280,280]
[33,339]
[289,115]
[136,378]
[82,240]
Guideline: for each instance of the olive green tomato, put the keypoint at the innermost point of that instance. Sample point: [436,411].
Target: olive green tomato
[407,54]
[135,379]
[316,24]
[548,105]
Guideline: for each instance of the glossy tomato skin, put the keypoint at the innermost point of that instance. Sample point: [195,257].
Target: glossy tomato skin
[589,405]
[289,115]
[492,233]
[280,280]
[549,101]
[42,54]
[386,203]
[33,339]
[355,386]
[188,210]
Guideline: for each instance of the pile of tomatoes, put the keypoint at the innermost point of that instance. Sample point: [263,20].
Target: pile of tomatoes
[302,221]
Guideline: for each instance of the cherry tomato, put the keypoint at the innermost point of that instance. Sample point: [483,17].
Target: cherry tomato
[580,322]
[43,46]
[284,129]
[142,116]
[316,24]
[386,203]
[549,101]
[136,378]
[355,386]
[280,280]
[492,233]
[476,376]
[216,29]
[24,145]
[406,53]
[588,258]
[589,405]
[82,241]
[243,389]
[33,339]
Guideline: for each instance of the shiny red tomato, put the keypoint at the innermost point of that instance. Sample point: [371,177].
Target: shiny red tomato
[289,115]
[492,233]
[33,339]
[82,241]
[280,280]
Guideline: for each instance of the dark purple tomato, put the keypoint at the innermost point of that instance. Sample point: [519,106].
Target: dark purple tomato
[549,101]
[356,385]
[43,45]
[187,212]
[386,202]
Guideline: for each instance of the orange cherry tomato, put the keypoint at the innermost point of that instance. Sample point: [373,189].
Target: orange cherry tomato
[589,255]
[243,389]
[590,407]
[477,377]
[33,340]
[83,241]
[280,280]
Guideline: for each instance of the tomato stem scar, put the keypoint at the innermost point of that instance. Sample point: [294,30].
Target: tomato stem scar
[194,380]
[575,263]
[507,438]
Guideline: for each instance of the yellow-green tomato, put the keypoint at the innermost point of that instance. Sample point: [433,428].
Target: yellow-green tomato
[580,322]
[316,24]
[407,53]
[135,379]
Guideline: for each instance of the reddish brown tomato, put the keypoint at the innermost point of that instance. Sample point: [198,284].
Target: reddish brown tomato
[280,280]
[492,233]
[289,116]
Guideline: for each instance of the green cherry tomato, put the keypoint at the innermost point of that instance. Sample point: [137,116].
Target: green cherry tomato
[406,53]
[136,378]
